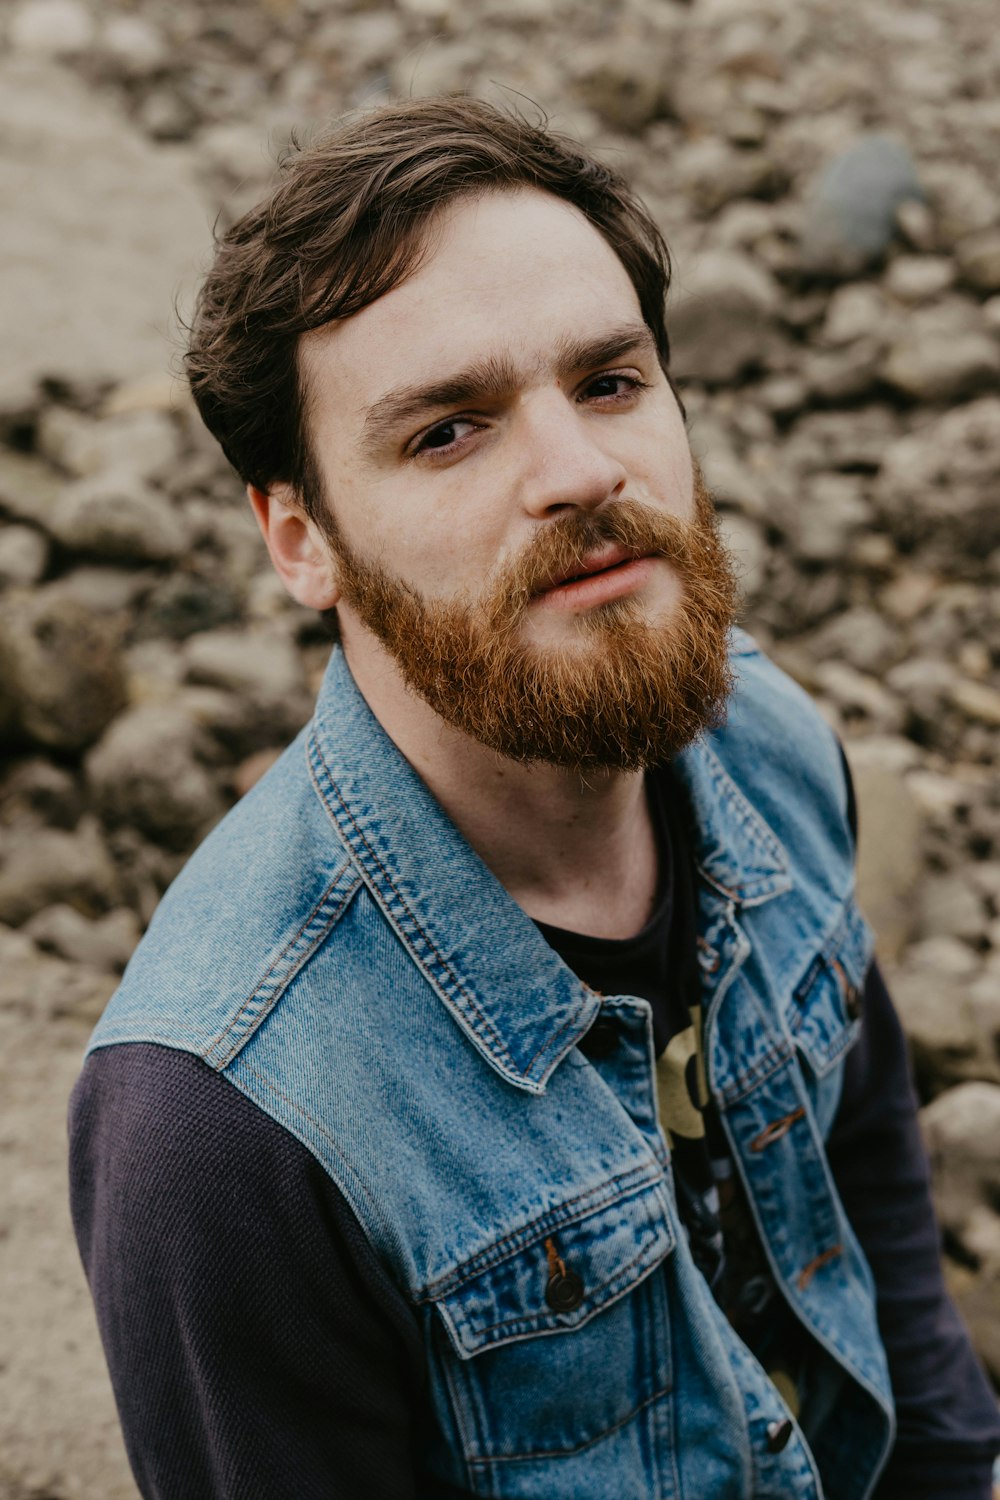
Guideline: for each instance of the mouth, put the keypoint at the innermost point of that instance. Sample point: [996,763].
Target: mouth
[611,573]
[607,560]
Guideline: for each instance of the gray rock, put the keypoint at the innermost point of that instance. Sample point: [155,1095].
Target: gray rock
[28,489]
[104,943]
[44,866]
[133,46]
[713,174]
[861,700]
[860,636]
[978,257]
[833,509]
[857,310]
[919,278]
[41,987]
[263,672]
[146,772]
[850,209]
[890,828]
[105,590]
[844,374]
[950,907]
[947,1044]
[962,200]
[942,479]
[183,604]
[622,78]
[24,555]
[60,667]
[36,792]
[140,443]
[962,1128]
[724,314]
[977,700]
[74,303]
[117,516]
[52,28]
[941,356]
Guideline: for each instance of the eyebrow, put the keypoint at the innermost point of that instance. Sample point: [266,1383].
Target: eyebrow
[493,378]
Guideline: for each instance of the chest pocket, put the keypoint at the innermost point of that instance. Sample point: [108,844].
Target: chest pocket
[824,1013]
[556,1343]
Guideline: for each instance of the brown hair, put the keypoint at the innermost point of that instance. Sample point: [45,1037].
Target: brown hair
[343,226]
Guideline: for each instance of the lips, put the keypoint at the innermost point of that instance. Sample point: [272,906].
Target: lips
[598,562]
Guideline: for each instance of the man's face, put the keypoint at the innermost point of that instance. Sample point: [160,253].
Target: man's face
[513,509]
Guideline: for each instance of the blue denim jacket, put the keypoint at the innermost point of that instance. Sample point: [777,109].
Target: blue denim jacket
[340,954]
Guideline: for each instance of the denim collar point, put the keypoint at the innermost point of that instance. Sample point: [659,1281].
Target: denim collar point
[469,938]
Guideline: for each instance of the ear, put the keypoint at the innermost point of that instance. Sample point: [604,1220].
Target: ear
[299,551]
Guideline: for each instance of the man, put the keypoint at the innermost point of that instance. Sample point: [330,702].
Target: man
[503,1100]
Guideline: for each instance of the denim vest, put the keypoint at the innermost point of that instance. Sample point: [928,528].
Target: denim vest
[339,952]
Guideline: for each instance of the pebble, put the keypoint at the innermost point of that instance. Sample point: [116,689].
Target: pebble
[141,443]
[53,28]
[146,772]
[950,907]
[49,865]
[850,210]
[114,515]
[24,555]
[939,358]
[724,312]
[104,942]
[978,258]
[60,666]
[919,278]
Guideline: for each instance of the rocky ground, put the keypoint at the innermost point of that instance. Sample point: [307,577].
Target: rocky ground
[826,177]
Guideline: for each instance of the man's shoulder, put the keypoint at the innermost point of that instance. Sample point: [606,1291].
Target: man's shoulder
[245,914]
[772,727]
[774,765]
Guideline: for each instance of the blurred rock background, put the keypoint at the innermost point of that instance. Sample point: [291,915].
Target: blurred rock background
[826,177]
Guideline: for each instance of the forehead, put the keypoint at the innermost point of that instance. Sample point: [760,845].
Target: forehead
[507,275]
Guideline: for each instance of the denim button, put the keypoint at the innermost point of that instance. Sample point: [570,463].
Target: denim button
[600,1041]
[564,1291]
[778,1434]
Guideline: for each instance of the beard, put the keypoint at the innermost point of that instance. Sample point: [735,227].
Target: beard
[624,695]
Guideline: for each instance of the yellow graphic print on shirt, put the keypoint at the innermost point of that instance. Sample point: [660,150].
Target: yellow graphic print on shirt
[682,1087]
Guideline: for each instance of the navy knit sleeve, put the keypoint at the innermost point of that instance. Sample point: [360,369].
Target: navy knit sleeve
[948,1422]
[257,1347]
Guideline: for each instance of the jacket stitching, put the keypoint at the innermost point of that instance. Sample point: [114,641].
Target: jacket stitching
[530,1233]
[514,1458]
[491,1033]
[535,1317]
[301,1110]
[318,915]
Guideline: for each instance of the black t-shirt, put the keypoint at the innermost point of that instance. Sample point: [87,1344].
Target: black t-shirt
[659,964]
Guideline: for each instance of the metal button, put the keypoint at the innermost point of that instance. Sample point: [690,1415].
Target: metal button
[778,1434]
[853,1001]
[564,1291]
[600,1041]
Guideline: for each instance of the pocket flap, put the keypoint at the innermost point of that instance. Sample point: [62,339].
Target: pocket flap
[563,1275]
[824,1014]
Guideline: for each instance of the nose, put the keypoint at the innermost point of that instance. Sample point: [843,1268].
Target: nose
[564,465]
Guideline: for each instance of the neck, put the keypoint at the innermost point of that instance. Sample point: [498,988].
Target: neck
[575,850]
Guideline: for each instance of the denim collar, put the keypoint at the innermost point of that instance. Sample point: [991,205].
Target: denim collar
[512,995]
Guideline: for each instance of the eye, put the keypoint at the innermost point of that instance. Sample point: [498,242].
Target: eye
[443,437]
[615,389]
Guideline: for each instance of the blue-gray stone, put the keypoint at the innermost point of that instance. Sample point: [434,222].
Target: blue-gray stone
[850,208]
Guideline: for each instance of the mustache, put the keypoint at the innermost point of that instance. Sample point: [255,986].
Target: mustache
[562,547]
